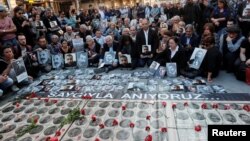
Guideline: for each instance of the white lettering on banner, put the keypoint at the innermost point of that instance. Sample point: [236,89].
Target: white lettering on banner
[175,96]
[126,96]
[198,97]
[109,95]
[133,96]
[137,96]
[186,96]
[163,96]
[216,132]
[152,96]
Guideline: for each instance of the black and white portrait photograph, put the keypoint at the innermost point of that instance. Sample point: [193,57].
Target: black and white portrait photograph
[109,58]
[57,61]
[204,89]
[197,58]
[82,59]
[20,70]
[229,117]
[214,117]
[245,118]
[155,65]
[125,59]
[67,88]
[43,57]
[53,24]
[39,24]
[146,49]
[70,60]
[171,69]
[177,88]
[78,44]
[161,72]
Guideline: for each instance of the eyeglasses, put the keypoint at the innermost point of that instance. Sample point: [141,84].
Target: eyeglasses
[19,13]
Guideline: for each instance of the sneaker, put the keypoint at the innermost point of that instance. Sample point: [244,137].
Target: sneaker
[14,88]
[1,92]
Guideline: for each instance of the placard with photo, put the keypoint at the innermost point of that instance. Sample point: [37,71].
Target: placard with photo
[20,70]
[161,72]
[153,68]
[109,58]
[82,59]
[57,61]
[43,57]
[53,24]
[171,69]
[39,24]
[67,88]
[125,59]
[70,60]
[78,44]
[146,49]
[197,58]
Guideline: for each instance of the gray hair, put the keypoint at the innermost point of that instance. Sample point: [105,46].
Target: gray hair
[109,37]
[83,26]
[89,38]
[189,26]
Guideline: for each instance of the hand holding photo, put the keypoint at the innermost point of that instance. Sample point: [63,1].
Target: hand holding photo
[197,58]
[20,70]
[109,58]
[155,65]
[146,49]
[125,59]
[53,24]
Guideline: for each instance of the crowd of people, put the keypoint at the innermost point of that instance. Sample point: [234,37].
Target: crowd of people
[163,33]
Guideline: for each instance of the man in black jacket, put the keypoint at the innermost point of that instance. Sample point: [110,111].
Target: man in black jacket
[146,37]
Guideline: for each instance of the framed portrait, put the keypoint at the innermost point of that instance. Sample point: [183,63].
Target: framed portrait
[20,70]
[161,71]
[70,60]
[43,57]
[146,49]
[78,44]
[53,24]
[82,59]
[109,58]
[155,65]
[197,58]
[39,25]
[171,69]
[125,59]
[204,89]
[57,61]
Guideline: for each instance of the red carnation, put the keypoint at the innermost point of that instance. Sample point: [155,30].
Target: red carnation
[101,126]
[173,105]
[197,128]
[115,122]
[147,128]
[17,104]
[131,125]
[97,139]
[82,111]
[149,138]
[164,104]
[204,106]
[55,101]
[185,104]
[93,117]
[54,139]
[226,107]
[35,120]
[124,107]
[246,107]
[58,133]
[148,117]
[164,130]
[46,99]
[215,106]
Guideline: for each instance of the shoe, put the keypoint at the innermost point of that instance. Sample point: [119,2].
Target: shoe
[1,92]
[14,88]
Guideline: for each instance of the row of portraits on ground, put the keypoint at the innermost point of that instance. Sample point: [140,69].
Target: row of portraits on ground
[79,59]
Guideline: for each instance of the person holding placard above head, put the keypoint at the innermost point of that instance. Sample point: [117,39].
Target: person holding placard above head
[147,42]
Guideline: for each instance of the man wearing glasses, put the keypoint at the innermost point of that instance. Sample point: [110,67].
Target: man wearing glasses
[7,28]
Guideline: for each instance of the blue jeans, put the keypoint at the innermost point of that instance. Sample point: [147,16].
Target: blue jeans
[7,83]
[10,42]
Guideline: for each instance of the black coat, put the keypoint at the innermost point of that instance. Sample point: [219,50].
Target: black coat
[106,49]
[153,40]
